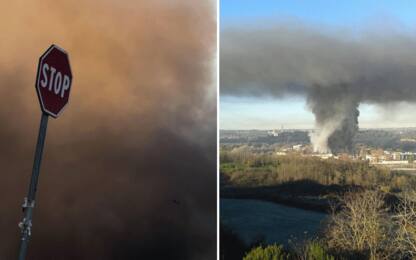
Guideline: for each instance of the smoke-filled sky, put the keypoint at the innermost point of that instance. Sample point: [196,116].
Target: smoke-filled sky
[129,168]
[274,53]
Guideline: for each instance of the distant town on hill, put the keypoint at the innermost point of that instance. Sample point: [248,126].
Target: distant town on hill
[395,147]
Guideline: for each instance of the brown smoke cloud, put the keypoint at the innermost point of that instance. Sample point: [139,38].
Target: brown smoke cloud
[129,169]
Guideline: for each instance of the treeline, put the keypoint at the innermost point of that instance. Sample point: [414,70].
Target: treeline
[386,139]
[239,167]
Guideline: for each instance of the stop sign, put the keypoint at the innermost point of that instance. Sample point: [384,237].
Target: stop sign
[53,81]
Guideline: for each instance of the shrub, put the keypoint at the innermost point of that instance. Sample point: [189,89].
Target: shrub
[315,251]
[271,252]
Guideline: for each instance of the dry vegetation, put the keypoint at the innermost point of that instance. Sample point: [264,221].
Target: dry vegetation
[375,221]
[243,168]
[362,227]
[366,228]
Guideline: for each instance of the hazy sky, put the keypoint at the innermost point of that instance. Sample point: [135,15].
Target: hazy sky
[252,113]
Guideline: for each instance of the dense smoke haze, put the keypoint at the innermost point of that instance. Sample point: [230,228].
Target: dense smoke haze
[129,168]
[336,70]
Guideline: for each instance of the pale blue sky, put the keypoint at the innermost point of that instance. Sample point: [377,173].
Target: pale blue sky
[331,12]
[250,113]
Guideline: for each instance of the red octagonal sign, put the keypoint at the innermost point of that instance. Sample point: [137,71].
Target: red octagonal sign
[53,81]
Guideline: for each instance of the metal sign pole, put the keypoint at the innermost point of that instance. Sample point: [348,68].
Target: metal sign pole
[29,202]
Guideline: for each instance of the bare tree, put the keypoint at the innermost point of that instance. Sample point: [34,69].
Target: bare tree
[405,220]
[361,224]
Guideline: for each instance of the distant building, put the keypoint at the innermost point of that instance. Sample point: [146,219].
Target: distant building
[407,156]
[392,162]
[370,158]
[323,155]
[409,140]
[395,156]
[297,147]
[273,132]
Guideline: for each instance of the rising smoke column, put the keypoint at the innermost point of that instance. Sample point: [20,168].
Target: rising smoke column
[334,69]
[336,116]
[129,169]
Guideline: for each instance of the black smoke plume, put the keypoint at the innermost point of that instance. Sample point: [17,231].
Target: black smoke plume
[335,70]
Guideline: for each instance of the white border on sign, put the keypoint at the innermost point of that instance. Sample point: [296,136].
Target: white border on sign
[53,46]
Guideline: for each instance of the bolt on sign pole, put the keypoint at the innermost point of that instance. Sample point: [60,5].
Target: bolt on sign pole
[53,85]
[29,202]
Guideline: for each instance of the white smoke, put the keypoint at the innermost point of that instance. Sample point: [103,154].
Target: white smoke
[319,138]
